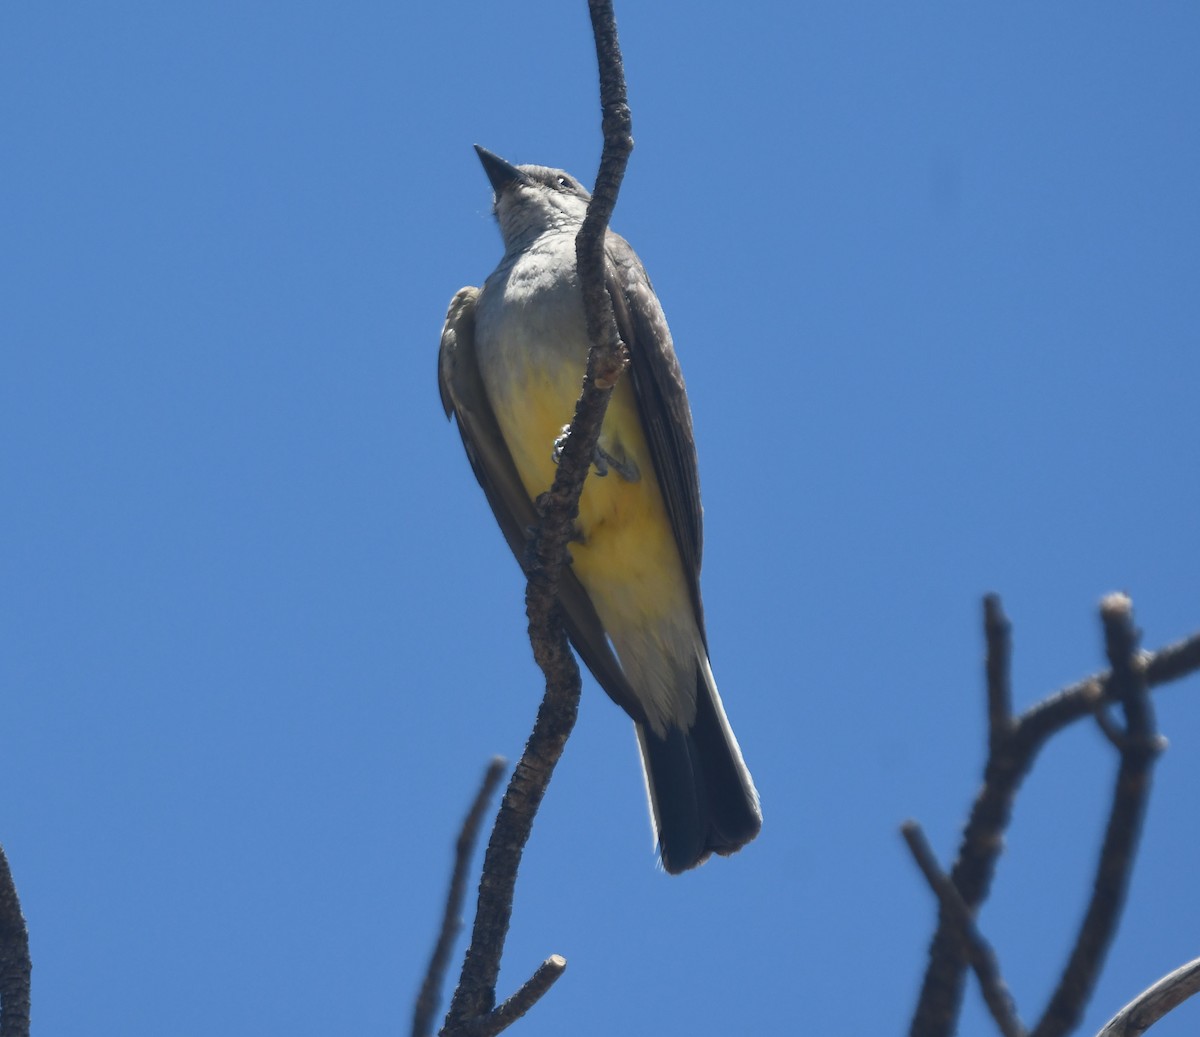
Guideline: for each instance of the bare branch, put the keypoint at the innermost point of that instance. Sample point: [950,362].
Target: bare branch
[998,635]
[1009,761]
[1064,707]
[525,998]
[1010,755]
[14,958]
[607,359]
[431,988]
[1139,749]
[1152,1004]
[1173,662]
[475,995]
[978,951]
[472,1005]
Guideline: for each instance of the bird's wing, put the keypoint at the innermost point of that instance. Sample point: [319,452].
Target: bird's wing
[662,404]
[464,397]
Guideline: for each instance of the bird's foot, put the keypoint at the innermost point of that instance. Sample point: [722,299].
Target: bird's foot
[602,460]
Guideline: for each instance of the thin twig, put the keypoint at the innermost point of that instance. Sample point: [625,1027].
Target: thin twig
[998,636]
[431,988]
[1139,749]
[14,958]
[1168,664]
[983,834]
[1009,759]
[1153,1003]
[978,951]
[475,995]
[528,995]
[607,358]
[474,999]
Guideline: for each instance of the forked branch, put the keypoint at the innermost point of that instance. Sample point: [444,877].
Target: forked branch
[1013,747]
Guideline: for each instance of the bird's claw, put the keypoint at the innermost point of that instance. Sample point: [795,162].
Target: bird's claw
[602,460]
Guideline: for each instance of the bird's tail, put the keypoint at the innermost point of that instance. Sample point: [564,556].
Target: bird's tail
[701,794]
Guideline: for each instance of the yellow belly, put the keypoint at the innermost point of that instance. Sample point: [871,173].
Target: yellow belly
[626,556]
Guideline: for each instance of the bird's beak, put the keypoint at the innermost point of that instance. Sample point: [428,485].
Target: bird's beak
[502,174]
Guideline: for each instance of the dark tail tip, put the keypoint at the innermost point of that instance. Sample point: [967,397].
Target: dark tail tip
[700,791]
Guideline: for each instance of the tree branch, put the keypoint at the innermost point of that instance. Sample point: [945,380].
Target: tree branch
[1010,759]
[997,633]
[1153,1003]
[471,1009]
[1139,749]
[431,988]
[528,995]
[978,951]
[15,965]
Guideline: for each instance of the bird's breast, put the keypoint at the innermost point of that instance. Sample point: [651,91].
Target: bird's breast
[532,344]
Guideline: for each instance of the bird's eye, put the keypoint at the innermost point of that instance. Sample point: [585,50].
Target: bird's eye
[563,182]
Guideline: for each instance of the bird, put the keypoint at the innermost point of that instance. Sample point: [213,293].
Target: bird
[510,368]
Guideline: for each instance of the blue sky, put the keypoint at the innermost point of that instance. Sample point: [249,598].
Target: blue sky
[931,271]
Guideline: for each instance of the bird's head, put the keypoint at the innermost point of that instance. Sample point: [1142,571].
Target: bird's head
[530,200]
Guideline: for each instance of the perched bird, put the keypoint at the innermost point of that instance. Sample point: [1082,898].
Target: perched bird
[510,369]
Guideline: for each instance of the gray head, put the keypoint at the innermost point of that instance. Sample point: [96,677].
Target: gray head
[532,199]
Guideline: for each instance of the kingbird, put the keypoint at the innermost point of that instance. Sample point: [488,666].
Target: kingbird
[510,369]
